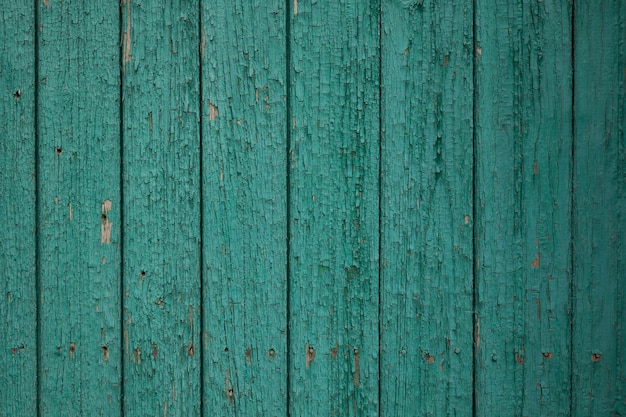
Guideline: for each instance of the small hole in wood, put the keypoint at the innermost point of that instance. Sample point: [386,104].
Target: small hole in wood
[142,274]
[18,94]
[58,151]
[225,350]
[271,354]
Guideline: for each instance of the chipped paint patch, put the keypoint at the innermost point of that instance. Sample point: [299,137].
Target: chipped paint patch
[126,40]
[213,111]
[106,225]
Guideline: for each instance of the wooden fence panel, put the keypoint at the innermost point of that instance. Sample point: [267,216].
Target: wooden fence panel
[334,159]
[245,201]
[161,168]
[312,208]
[523,193]
[18,244]
[79,216]
[599,372]
[426,231]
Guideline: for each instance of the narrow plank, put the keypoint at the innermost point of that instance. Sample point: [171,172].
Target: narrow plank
[18,328]
[79,193]
[523,188]
[334,158]
[599,370]
[161,170]
[426,248]
[244,227]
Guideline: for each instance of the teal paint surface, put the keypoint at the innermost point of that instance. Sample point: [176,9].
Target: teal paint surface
[426,230]
[161,168]
[18,313]
[599,209]
[334,159]
[244,214]
[79,213]
[523,193]
[523,170]
[232,201]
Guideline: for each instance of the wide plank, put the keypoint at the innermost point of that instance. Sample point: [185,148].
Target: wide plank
[244,154]
[599,373]
[426,206]
[523,148]
[18,245]
[334,207]
[161,192]
[79,208]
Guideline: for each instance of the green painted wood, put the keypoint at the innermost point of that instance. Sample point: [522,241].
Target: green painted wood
[244,210]
[161,185]
[426,231]
[599,370]
[79,219]
[523,188]
[334,160]
[18,311]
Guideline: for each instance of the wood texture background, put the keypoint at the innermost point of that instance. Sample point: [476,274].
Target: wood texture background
[304,208]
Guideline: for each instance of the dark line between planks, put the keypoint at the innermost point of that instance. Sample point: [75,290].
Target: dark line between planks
[474,210]
[201,133]
[572,208]
[38,338]
[121,150]
[380,199]
[288,201]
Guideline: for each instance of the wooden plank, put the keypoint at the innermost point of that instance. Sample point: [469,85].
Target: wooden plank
[426,231]
[79,194]
[334,158]
[244,213]
[523,188]
[161,166]
[599,371]
[18,327]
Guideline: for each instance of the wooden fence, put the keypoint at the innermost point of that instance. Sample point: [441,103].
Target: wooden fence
[312,208]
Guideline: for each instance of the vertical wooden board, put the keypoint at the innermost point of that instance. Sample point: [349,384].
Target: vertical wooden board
[426,247]
[244,213]
[599,374]
[161,170]
[79,194]
[523,188]
[334,167]
[18,328]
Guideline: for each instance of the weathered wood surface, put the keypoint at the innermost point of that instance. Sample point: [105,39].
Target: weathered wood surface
[18,244]
[161,169]
[333,186]
[599,275]
[426,207]
[244,207]
[79,208]
[523,112]
[312,208]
